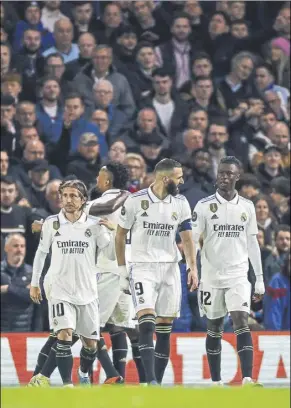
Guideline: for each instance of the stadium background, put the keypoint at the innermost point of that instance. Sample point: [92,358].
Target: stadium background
[229,95]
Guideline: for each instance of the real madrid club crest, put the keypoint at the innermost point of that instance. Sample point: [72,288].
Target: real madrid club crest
[88,233]
[194,216]
[123,211]
[56,225]
[243,217]
[213,207]
[174,216]
[144,204]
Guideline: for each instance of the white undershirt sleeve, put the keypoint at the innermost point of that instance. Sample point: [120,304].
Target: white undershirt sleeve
[37,268]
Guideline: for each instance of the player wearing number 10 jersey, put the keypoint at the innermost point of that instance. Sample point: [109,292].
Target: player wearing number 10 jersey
[228,226]
[154,216]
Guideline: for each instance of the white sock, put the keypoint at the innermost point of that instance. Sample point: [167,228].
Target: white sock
[83,374]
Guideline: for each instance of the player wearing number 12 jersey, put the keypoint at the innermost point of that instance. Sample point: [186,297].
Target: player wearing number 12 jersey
[154,216]
[228,226]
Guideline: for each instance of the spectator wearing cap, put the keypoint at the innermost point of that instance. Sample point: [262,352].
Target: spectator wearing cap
[18,312]
[49,110]
[278,56]
[180,48]
[29,62]
[145,124]
[140,79]
[270,168]
[277,300]
[50,14]
[32,16]
[277,258]
[103,99]
[63,35]
[11,84]
[200,173]
[124,49]
[86,163]
[86,44]
[248,186]
[186,143]
[265,81]
[101,68]
[171,111]
[137,171]
[34,150]
[39,176]
[151,149]
[9,137]
[280,194]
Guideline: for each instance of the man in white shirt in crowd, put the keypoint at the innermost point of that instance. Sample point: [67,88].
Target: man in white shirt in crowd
[153,216]
[227,224]
[70,283]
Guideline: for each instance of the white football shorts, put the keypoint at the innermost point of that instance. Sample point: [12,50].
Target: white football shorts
[156,286]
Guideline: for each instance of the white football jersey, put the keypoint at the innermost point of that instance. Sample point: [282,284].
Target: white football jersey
[72,272]
[224,226]
[153,224]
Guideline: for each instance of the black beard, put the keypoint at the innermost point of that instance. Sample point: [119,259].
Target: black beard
[216,146]
[29,51]
[172,188]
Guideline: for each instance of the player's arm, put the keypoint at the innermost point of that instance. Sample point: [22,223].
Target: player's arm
[185,229]
[254,254]
[99,209]
[198,224]
[39,260]
[105,240]
[126,220]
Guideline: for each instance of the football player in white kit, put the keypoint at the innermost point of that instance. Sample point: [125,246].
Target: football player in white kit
[227,224]
[70,282]
[116,307]
[153,216]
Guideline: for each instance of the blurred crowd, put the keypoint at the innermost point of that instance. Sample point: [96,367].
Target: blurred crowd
[83,83]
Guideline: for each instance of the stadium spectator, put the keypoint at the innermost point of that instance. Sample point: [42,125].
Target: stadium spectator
[202,96]
[11,85]
[202,65]
[276,259]
[9,137]
[117,151]
[277,300]
[137,171]
[39,175]
[50,14]
[186,143]
[63,35]
[101,68]
[198,119]
[83,20]
[86,163]
[100,118]
[109,24]
[200,165]
[6,56]
[239,29]
[265,217]
[26,134]
[278,56]
[279,134]
[4,163]
[280,194]
[18,313]
[124,50]
[248,186]
[274,102]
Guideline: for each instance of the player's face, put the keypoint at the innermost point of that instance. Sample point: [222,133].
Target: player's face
[72,200]
[227,176]
[103,180]
[173,181]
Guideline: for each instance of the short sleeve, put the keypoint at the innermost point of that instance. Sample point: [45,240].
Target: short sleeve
[198,222]
[127,214]
[252,226]
[185,217]
[46,237]
[103,236]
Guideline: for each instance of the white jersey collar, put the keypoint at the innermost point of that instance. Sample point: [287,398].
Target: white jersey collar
[155,199]
[111,191]
[222,200]
[64,220]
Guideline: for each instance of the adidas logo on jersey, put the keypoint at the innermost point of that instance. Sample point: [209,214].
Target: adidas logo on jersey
[245,304]
[144,214]
[214,217]
[57,234]
[94,333]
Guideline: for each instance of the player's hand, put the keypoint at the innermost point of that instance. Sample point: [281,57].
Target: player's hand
[192,279]
[35,294]
[36,226]
[123,280]
[108,224]
[259,291]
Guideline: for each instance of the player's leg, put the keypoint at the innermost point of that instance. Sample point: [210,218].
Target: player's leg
[211,303]
[119,348]
[44,353]
[162,350]
[87,357]
[133,335]
[238,300]
[143,282]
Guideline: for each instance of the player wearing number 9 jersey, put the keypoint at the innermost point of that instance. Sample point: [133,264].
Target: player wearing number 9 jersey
[228,226]
[154,216]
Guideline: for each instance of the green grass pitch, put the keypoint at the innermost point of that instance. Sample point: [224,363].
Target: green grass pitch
[138,397]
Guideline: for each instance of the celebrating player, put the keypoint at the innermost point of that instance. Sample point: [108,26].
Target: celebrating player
[227,224]
[153,216]
[70,283]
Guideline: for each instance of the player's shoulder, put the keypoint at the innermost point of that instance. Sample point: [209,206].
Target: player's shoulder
[207,200]
[180,197]
[245,202]
[51,219]
[139,195]
[91,220]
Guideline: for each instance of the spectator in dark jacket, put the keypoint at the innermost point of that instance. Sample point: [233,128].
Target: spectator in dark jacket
[39,176]
[6,59]
[101,68]
[151,149]
[84,20]
[86,163]
[277,300]
[12,85]
[186,143]
[280,195]
[265,217]
[18,313]
[109,23]
[9,136]
[124,49]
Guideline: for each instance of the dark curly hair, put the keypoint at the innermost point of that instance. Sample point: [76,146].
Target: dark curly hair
[120,174]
